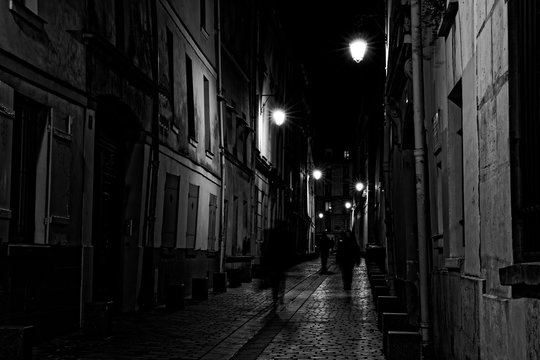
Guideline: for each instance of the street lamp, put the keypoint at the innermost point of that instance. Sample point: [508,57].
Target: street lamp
[321,215]
[359,186]
[317,174]
[358,49]
[348,205]
[279,117]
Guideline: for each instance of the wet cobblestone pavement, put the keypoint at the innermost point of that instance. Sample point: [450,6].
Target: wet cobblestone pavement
[318,320]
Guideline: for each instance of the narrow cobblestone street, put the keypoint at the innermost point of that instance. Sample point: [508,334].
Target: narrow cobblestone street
[318,320]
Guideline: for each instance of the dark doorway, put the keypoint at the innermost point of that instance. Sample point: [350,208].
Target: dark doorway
[114,140]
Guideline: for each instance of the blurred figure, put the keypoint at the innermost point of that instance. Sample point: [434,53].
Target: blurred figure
[347,255]
[275,260]
[325,244]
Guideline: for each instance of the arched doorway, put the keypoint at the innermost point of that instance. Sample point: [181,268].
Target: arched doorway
[116,133]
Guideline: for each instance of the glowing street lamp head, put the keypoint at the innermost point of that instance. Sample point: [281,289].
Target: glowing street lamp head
[359,186]
[358,49]
[279,117]
[321,215]
[317,174]
[348,205]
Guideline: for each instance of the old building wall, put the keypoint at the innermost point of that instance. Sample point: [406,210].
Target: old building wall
[475,316]
[42,84]
[45,38]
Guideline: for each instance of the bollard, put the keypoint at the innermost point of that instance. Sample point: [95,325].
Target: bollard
[16,342]
[380,291]
[378,282]
[394,322]
[220,282]
[199,288]
[245,274]
[98,318]
[234,278]
[387,304]
[174,296]
[403,345]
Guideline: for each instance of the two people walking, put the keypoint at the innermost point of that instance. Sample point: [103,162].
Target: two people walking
[347,256]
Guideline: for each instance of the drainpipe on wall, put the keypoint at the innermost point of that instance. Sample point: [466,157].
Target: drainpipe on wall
[221,103]
[390,266]
[154,158]
[418,107]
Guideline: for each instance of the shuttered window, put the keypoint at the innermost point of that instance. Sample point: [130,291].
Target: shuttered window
[524,58]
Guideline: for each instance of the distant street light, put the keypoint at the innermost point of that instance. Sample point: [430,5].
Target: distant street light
[279,117]
[317,174]
[321,215]
[358,49]
[348,205]
[359,186]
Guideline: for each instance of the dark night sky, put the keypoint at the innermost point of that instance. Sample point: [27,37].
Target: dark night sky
[321,32]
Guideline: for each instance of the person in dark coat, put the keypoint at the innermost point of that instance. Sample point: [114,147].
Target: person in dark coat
[347,256]
[324,247]
[275,260]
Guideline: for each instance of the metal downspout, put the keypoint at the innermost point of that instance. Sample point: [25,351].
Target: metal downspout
[418,107]
[221,143]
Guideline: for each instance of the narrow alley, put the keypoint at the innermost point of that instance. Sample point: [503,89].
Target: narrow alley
[158,158]
[318,320]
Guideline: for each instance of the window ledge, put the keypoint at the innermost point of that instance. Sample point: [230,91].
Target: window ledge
[5,214]
[453,263]
[205,33]
[193,142]
[209,154]
[520,274]
[26,14]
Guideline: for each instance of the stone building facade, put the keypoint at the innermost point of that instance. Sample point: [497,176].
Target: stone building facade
[113,126]
[478,66]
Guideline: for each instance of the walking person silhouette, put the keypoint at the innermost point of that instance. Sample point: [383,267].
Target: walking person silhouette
[347,256]
[324,247]
[276,260]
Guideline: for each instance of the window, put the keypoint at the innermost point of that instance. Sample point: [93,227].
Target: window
[239,143]
[207,134]
[27,179]
[225,218]
[170,58]
[203,15]
[259,218]
[328,206]
[29,4]
[245,139]
[245,216]
[170,211]
[190,99]
[524,59]
[246,243]
[212,209]
[120,24]
[346,155]
[235,240]
[193,206]
[228,128]
[453,222]
[27,10]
